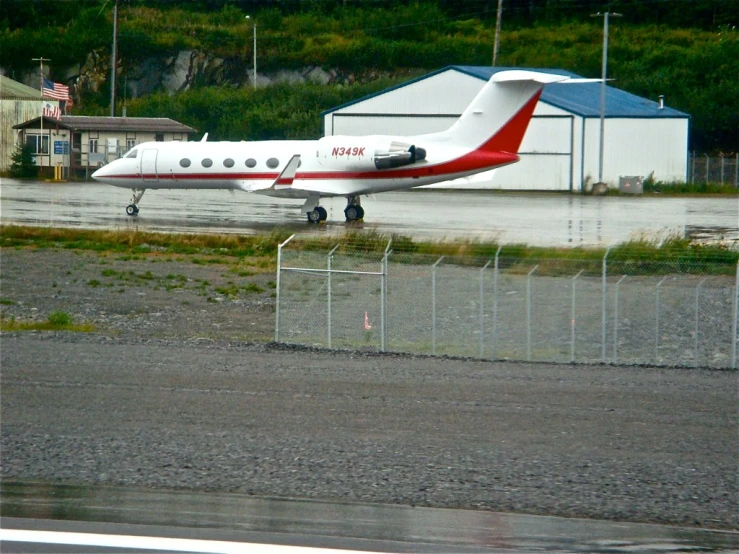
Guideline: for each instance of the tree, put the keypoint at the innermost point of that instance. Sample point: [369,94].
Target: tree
[24,162]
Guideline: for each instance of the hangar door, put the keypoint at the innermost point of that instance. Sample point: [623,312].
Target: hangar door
[546,157]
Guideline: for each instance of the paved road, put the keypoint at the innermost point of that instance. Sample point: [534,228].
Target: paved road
[536,219]
[620,443]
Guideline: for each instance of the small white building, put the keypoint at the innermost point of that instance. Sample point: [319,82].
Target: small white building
[561,149]
[18,103]
[81,144]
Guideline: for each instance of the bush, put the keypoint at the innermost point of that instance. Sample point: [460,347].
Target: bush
[23,162]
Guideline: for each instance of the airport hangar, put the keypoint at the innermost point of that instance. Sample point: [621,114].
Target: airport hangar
[561,149]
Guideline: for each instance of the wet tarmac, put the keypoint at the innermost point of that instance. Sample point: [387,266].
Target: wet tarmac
[348,526]
[530,218]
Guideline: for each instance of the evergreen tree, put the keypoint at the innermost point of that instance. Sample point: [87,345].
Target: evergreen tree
[24,162]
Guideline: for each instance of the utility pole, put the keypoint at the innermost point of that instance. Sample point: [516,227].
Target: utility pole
[41,76]
[603,88]
[497,31]
[114,59]
[254,81]
[604,64]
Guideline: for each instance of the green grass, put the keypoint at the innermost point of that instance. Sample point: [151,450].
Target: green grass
[259,252]
[56,321]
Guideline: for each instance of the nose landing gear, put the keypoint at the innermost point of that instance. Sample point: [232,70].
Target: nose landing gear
[132,208]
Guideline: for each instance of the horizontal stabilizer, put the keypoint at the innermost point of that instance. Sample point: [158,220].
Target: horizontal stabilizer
[518,75]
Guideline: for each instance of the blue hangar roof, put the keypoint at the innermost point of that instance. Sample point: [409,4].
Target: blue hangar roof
[581,99]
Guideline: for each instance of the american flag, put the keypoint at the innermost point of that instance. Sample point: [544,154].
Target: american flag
[52,111]
[57,91]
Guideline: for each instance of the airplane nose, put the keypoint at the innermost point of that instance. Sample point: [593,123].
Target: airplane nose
[101,173]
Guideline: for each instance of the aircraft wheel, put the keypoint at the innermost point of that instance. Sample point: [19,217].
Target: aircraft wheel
[314,216]
[354,212]
[322,214]
[132,209]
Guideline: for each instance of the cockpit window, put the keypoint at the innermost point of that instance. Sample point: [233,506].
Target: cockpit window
[133,153]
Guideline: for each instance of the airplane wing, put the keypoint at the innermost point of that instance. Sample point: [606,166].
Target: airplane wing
[284,179]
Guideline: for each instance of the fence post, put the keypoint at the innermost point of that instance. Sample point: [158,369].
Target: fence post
[736,170]
[692,164]
[697,308]
[528,313]
[723,159]
[656,323]
[482,308]
[708,165]
[383,299]
[277,287]
[615,321]
[736,319]
[603,308]
[495,302]
[433,306]
[328,302]
[572,318]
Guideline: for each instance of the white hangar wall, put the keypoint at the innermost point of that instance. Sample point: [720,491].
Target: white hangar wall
[560,151]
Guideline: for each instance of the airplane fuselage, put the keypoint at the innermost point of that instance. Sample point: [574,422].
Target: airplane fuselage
[325,169]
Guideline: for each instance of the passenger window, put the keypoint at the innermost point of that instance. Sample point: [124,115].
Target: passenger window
[228,162]
[273,163]
[251,162]
[132,154]
[207,162]
[184,162]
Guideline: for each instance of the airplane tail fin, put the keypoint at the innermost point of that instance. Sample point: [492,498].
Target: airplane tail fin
[497,118]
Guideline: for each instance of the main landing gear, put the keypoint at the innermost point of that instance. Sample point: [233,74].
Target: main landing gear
[132,208]
[317,214]
[353,210]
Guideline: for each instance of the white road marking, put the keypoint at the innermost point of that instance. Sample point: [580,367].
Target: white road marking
[159,543]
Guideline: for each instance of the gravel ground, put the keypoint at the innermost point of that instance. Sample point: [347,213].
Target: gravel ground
[171,391]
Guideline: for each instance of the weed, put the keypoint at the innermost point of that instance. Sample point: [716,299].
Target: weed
[93,283]
[7,302]
[252,287]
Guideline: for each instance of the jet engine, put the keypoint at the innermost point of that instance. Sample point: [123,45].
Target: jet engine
[367,153]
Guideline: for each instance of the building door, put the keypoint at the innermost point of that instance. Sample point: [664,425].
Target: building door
[149,165]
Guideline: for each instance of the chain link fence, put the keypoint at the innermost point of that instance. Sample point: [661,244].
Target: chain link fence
[723,168]
[550,310]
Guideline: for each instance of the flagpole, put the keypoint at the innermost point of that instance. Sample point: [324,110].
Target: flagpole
[41,74]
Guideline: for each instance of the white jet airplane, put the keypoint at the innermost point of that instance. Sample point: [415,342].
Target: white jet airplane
[486,136]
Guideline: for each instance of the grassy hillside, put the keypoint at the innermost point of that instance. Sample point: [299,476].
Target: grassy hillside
[695,68]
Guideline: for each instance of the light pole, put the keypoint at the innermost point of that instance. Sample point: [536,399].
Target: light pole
[254,81]
[603,88]
[41,138]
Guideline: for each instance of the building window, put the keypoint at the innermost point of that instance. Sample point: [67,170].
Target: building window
[184,162]
[251,162]
[207,162]
[93,146]
[228,162]
[38,144]
[130,143]
[159,137]
[273,163]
